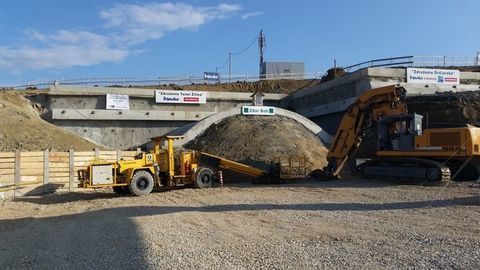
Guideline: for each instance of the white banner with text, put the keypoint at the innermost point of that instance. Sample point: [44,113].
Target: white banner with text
[433,76]
[180,96]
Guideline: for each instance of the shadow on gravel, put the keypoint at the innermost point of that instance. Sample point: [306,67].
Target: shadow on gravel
[239,183]
[106,239]
[66,197]
[339,183]
[110,238]
[314,184]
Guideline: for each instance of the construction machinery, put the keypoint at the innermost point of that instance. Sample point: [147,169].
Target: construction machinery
[404,149]
[162,166]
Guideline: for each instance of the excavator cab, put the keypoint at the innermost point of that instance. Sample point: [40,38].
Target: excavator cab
[397,132]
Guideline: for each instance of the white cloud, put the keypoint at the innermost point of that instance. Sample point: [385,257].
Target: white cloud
[63,49]
[33,34]
[251,14]
[151,21]
[229,8]
[128,24]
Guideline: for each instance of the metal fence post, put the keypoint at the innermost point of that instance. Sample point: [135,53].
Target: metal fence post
[46,155]
[71,169]
[18,175]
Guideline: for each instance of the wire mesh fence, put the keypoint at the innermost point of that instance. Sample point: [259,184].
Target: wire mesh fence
[417,61]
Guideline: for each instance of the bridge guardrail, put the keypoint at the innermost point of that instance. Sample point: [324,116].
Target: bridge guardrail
[125,81]
[417,61]
[163,80]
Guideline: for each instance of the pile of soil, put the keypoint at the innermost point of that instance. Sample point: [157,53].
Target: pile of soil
[333,73]
[266,86]
[21,128]
[257,140]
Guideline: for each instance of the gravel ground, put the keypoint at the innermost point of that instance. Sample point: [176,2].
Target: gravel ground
[344,224]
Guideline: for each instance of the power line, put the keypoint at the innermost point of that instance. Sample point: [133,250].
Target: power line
[224,64]
[237,53]
[248,47]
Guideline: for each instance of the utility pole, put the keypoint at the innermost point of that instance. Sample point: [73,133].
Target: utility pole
[334,68]
[229,66]
[261,46]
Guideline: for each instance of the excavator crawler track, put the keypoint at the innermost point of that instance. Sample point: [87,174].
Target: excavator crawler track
[415,169]
[464,170]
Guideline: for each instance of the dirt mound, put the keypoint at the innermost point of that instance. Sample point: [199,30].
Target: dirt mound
[333,73]
[256,140]
[266,86]
[21,128]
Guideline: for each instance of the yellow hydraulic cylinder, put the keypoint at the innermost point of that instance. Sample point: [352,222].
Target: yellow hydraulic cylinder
[171,165]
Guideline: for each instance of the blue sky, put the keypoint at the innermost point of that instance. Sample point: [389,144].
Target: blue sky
[70,39]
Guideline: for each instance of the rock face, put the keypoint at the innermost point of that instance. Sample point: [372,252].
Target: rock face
[21,128]
[447,108]
[257,140]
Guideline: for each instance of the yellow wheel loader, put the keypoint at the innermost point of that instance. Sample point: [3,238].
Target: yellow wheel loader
[161,167]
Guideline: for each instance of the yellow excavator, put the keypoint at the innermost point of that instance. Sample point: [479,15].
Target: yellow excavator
[163,166]
[404,149]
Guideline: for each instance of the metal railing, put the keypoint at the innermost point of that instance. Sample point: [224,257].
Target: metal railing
[417,61]
[161,80]
[445,61]
[384,62]
[128,81]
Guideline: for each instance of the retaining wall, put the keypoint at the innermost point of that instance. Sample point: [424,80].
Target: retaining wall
[82,110]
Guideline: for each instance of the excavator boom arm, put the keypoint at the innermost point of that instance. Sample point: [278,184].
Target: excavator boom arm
[371,105]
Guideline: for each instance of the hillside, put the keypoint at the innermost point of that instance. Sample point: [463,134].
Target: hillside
[21,128]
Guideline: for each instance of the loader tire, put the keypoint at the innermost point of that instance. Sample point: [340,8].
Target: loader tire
[141,184]
[204,178]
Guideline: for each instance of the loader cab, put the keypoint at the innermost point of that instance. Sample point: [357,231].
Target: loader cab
[397,132]
[165,154]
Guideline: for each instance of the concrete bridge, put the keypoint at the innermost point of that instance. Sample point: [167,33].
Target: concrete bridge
[82,110]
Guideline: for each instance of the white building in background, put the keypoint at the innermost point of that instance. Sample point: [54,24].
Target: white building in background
[282,70]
